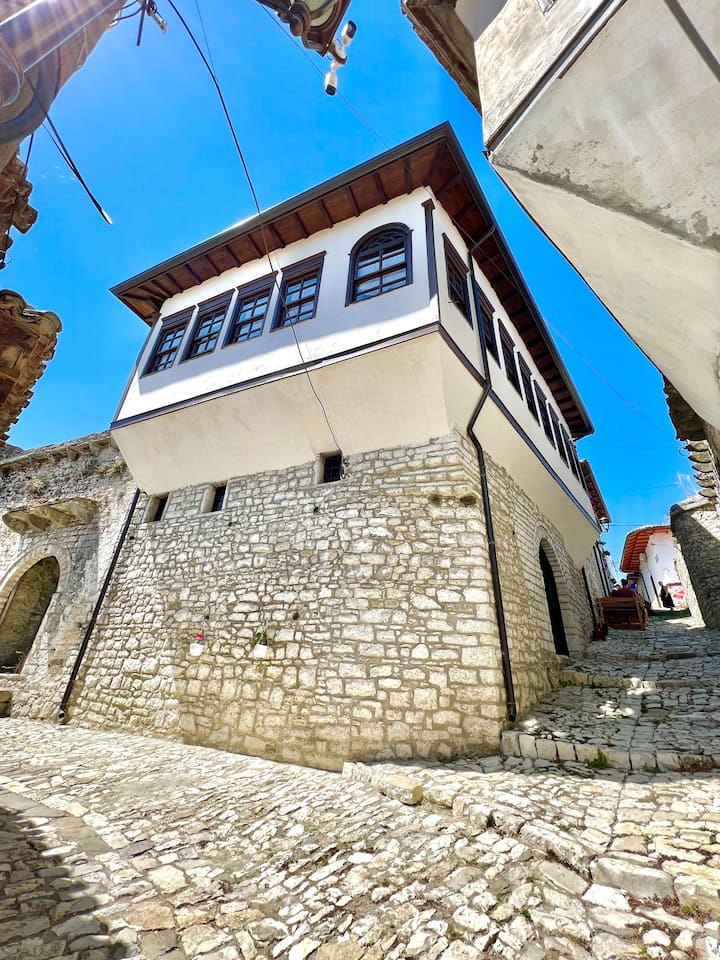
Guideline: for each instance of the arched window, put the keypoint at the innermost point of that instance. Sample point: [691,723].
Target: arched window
[381,261]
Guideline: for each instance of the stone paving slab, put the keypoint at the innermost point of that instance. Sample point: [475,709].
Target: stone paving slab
[198,853]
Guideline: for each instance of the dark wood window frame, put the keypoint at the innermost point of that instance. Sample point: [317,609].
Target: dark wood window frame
[367,244]
[306,269]
[213,308]
[507,345]
[572,455]
[250,293]
[557,430]
[487,323]
[175,326]
[457,280]
[527,381]
[544,416]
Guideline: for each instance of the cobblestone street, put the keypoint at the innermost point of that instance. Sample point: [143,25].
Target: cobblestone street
[115,846]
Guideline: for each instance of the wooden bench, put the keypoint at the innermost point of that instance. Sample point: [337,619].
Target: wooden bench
[623,613]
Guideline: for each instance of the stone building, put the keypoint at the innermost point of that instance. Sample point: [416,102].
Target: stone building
[363,528]
[596,113]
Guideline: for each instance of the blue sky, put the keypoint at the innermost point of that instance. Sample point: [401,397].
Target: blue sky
[147,133]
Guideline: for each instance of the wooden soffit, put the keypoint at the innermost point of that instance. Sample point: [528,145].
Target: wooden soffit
[435,160]
[602,514]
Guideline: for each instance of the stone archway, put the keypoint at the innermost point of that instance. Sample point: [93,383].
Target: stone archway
[552,596]
[25,610]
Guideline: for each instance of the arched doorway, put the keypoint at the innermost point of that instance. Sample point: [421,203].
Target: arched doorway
[554,609]
[24,612]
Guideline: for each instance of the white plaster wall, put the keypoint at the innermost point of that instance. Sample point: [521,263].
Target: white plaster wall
[659,563]
[335,327]
[467,337]
[665,294]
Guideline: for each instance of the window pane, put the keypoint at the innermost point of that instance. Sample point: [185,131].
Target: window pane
[380,265]
[207,331]
[250,316]
[167,348]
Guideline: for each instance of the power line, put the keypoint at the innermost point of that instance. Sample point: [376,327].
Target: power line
[251,185]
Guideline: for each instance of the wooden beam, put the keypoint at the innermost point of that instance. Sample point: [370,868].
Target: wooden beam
[453,182]
[380,188]
[328,219]
[355,207]
[303,228]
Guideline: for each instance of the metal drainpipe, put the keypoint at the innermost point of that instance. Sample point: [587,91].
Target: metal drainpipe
[511,705]
[62,718]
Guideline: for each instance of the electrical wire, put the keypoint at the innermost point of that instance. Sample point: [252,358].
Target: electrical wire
[52,131]
[6,236]
[256,202]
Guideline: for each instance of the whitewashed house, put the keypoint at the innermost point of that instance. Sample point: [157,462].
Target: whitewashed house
[364,530]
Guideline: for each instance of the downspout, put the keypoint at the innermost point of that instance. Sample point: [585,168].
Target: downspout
[511,705]
[62,717]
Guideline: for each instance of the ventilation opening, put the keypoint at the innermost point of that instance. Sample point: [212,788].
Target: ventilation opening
[157,509]
[331,467]
[218,498]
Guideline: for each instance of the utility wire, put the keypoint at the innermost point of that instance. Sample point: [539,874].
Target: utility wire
[251,185]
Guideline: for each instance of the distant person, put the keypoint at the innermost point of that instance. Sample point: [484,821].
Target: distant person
[624,590]
[666,598]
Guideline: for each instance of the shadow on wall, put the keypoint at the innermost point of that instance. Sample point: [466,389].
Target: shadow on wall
[47,911]
[701,552]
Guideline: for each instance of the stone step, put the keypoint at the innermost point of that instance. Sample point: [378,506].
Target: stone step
[567,862]
[599,756]
[603,678]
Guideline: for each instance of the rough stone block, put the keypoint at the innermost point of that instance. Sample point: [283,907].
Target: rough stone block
[645,883]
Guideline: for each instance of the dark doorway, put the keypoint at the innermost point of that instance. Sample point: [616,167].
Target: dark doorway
[24,612]
[553,602]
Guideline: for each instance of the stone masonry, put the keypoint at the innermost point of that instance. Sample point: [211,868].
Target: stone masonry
[66,502]
[696,525]
[350,620]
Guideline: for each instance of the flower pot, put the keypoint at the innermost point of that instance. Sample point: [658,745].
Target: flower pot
[261,651]
[196,649]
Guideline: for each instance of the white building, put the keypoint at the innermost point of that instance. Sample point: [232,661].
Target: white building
[364,529]
[649,559]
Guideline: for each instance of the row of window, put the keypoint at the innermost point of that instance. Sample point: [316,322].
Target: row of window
[331,468]
[520,376]
[380,262]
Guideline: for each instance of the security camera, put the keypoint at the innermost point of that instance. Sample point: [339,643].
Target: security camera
[348,32]
[331,81]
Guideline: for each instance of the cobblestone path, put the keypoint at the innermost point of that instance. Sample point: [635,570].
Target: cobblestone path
[114,846]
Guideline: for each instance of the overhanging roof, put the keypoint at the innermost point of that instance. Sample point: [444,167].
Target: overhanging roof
[635,544]
[599,506]
[435,160]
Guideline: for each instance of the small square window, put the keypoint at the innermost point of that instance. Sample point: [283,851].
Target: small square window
[208,325]
[168,343]
[250,311]
[457,281]
[332,467]
[156,509]
[298,293]
[218,498]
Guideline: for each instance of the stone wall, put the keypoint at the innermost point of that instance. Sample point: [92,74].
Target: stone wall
[696,525]
[40,491]
[374,595]
[520,530]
